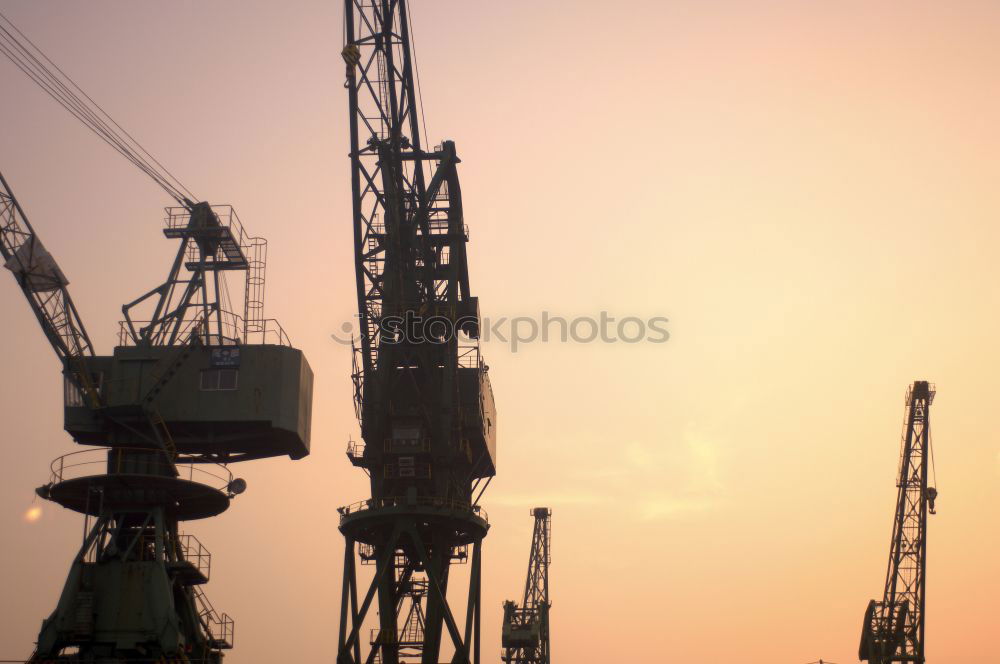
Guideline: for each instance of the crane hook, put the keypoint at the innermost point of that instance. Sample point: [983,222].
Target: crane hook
[352,58]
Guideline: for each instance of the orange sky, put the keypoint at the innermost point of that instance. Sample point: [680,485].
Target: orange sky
[806,190]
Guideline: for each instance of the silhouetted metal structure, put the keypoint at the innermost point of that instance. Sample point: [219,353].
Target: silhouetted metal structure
[525,638]
[185,392]
[893,629]
[422,391]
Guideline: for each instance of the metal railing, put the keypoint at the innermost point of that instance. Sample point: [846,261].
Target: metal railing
[469,357]
[188,331]
[195,553]
[435,226]
[178,218]
[185,548]
[228,329]
[136,461]
[220,627]
[355,449]
[403,501]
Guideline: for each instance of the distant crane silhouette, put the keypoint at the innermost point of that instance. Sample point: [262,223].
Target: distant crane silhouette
[893,628]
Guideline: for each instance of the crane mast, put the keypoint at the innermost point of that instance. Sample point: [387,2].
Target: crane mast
[422,391]
[525,637]
[893,628]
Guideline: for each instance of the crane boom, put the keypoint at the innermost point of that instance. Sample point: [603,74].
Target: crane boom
[45,287]
[893,629]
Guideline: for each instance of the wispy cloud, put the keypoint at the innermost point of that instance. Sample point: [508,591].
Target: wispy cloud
[666,478]
[666,507]
[674,479]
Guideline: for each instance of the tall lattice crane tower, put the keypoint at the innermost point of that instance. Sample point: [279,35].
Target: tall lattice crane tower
[422,390]
[893,628]
[525,638]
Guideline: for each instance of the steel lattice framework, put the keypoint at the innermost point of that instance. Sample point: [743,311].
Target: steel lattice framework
[893,629]
[154,467]
[44,286]
[525,636]
[422,391]
[192,387]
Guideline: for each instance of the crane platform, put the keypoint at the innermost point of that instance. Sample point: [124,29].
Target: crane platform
[137,479]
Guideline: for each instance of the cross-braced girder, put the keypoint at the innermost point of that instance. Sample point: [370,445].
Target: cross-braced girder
[410,585]
[893,628]
[44,286]
[426,412]
[134,591]
[525,637]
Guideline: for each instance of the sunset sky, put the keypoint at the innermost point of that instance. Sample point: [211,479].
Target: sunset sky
[806,190]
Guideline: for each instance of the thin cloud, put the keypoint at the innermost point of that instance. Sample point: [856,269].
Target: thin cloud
[666,507]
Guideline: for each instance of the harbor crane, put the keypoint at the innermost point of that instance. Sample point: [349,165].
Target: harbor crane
[525,637]
[190,387]
[893,628]
[422,390]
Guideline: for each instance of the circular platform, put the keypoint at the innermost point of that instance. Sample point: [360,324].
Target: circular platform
[92,480]
[371,521]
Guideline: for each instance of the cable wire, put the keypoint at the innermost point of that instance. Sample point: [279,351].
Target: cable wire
[416,71]
[85,109]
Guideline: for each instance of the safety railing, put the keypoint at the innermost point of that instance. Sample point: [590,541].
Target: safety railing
[469,357]
[355,449]
[195,553]
[178,218]
[403,501]
[435,226]
[442,226]
[265,331]
[136,461]
[187,331]
[225,330]
[220,627]
[185,548]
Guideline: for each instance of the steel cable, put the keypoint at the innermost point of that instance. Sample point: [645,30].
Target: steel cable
[85,109]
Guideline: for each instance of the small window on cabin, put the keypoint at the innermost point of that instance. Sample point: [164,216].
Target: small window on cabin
[213,380]
[73,397]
